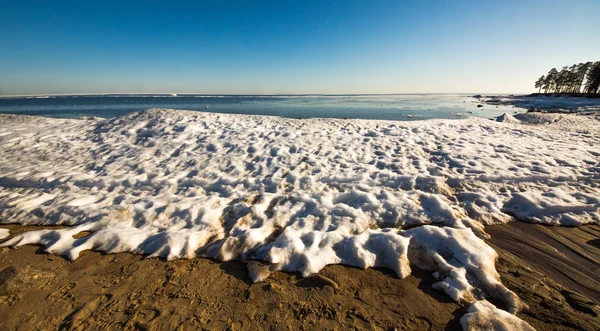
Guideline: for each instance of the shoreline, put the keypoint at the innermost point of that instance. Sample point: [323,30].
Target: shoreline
[135,291]
[547,103]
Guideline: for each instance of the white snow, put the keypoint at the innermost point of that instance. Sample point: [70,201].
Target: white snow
[4,233]
[483,315]
[460,259]
[300,194]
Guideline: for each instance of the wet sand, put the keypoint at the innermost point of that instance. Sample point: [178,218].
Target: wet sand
[569,256]
[555,271]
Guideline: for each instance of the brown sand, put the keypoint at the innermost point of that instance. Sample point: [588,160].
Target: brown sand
[41,291]
[555,270]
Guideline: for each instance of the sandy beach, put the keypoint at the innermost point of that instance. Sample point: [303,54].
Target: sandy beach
[325,165]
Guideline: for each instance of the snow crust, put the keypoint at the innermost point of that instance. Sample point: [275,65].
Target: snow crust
[301,194]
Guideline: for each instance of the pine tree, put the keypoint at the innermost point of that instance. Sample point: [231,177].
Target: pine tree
[577,78]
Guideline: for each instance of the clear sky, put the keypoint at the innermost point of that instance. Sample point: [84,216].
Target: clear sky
[267,47]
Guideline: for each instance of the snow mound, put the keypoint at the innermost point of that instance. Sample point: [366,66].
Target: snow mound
[538,118]
[507,118]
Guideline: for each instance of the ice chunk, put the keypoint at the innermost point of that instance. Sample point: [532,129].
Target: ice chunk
[461,261]
[507,118]
[482,315]
[4,233]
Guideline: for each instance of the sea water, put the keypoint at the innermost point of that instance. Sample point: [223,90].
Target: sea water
[402,107]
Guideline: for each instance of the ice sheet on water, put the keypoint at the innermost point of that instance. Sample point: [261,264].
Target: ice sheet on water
[298,194]
[547,103]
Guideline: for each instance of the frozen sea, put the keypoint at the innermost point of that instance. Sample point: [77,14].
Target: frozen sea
[399,107]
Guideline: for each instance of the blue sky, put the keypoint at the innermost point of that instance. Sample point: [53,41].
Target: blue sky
[291,46]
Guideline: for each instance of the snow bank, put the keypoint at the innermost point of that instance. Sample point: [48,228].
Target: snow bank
[298,194]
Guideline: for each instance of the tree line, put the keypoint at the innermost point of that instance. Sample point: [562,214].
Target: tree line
[578,78]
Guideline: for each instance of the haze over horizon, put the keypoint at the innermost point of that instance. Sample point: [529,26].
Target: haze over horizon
[354,47]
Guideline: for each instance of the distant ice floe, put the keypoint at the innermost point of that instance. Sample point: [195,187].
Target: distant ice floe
[545,103]
[301,194]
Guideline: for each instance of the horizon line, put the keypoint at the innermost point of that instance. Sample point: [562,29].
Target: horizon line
[175,94]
